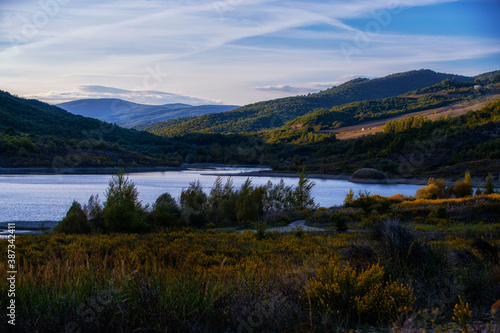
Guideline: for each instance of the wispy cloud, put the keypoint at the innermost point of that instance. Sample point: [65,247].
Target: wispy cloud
[142,97]
[238,51]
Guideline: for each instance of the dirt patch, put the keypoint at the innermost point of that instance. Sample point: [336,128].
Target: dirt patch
[372,127]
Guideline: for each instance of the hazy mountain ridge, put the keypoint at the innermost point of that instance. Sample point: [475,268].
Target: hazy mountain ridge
[132,115]
[275,113]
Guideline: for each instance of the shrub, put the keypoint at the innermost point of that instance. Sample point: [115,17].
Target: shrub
[349,198]
[368,203]
[364,295]
[489,186]
[193,197]
[462,314]
[464,189]
[400,247]
[487,251]
[95,215]
[260,230]
[194,218]
[166,212]
[75,221]
[340,222]
[122,210]
[439,212]
[435,189]
[359,256]
[387,165]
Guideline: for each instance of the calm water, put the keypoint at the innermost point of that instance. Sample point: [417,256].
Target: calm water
[48,197]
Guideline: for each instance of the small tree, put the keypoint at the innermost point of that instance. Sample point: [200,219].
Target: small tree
[301,195]
[349,198]
[340,221]
[165,211]
[464,188]
[194,197]
[222,202]
[95,215]
[122,209]
[489,186]
[247,208]
[435,189]
[75,221]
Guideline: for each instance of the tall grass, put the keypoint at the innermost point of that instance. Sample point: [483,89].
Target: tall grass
[203,281]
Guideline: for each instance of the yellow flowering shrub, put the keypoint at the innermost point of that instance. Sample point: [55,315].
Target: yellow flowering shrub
[343,291]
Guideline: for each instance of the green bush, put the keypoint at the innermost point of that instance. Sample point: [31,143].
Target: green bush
[122,209]
[166,212]
[387,165]
[464,189]
[95,215]
[75,221]
[489,186]
[340,222]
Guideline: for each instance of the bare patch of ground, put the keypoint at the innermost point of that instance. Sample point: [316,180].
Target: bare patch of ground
[372,127]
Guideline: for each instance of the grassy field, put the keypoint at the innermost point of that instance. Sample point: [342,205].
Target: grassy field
[402,267]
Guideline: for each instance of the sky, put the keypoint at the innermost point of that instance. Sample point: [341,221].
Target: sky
[233,51]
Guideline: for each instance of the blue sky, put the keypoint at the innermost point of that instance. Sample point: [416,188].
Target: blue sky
[233,51]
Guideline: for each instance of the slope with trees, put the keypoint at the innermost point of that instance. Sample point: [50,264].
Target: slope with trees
[275,113]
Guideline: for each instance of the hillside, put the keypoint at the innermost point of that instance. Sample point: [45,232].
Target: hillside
[33,133]
[133,115]
[36,134]
[438,97]
[275,113]
[408,148]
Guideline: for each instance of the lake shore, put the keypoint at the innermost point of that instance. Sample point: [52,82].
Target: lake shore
[115,170]
[209,166]
[347,177]
[85,170]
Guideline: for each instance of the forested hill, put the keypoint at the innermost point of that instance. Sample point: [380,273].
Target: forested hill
[34,117]
[36,134]
[274,113]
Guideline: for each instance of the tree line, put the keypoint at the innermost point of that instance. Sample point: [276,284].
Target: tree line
[223,206]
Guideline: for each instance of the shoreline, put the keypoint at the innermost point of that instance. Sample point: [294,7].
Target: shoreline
[114,170]
[386,181]
[208,166]
[84,170]
[347,177]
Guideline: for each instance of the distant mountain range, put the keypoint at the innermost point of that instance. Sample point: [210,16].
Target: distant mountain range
[133,115]
[275,113]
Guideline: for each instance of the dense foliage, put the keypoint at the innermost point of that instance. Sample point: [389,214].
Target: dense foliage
[423,270]
[36,134]
[410,147]
[224,206]
[275,113]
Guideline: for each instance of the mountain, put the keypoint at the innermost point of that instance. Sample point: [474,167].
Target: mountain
[33,133]
[37,134]
[132,115]
[274,113]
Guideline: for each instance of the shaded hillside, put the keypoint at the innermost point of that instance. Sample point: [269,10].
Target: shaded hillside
[134,115]
[36,134]
[38,118]
[275,113]
[442,148]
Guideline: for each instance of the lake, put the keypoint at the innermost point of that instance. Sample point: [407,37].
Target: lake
[48,197]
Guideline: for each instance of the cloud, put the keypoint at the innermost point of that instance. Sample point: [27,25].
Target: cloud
[136,96]
[103,89]
[298,90]
[238,51]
